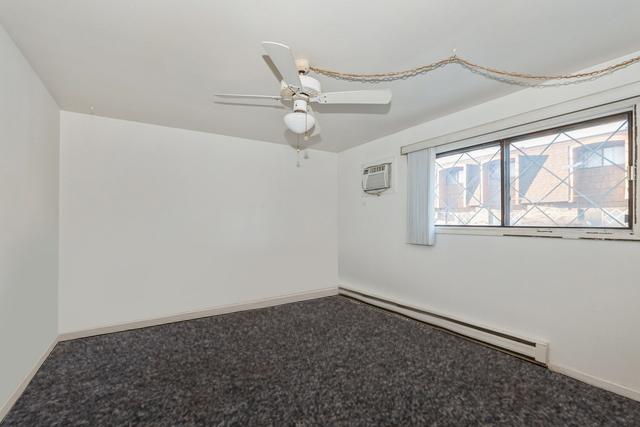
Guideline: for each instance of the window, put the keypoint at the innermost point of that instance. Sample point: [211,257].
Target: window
[597,155]
[574,176]
[468,187]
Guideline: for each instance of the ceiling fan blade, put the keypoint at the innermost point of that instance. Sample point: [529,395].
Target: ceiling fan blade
[283,59]
[355,97]
[239,95]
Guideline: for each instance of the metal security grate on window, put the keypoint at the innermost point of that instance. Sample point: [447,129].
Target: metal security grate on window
[468,187]
[574,177]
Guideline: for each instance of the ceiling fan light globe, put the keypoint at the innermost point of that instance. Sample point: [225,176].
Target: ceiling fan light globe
[299,123]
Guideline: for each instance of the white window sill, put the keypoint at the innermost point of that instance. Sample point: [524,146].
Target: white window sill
[565,233]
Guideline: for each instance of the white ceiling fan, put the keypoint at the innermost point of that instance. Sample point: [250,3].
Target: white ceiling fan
[299,87]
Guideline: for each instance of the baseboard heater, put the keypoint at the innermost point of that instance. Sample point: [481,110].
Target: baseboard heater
[526,348]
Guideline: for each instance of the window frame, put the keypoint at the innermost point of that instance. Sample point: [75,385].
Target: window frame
[476,147]
[506,137]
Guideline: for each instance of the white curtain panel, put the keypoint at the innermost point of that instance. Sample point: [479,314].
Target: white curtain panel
[421,181]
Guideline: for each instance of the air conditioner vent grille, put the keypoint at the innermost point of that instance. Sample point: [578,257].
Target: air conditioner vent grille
[376,178]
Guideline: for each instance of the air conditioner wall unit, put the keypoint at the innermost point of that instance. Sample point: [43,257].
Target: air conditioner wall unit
[376,178]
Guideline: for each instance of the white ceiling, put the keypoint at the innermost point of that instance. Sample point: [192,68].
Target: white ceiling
[160,61]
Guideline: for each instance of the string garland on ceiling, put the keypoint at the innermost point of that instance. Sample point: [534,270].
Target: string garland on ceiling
[518,78]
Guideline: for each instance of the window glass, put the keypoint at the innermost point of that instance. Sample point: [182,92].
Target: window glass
[571,178]
[468,187]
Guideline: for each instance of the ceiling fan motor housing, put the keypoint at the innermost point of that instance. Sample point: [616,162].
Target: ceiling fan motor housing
[310,88]
[300,105]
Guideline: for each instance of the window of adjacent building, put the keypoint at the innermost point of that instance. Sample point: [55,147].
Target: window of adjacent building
[468,187]
[574,176]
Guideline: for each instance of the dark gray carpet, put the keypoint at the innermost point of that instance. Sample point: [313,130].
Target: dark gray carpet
[330,361]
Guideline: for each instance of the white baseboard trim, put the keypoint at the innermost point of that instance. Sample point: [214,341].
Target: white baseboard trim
[597,382]
[179,317]
[6,406]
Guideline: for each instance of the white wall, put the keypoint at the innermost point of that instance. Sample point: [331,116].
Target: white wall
[29,119]
[156,221]
[583,297]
